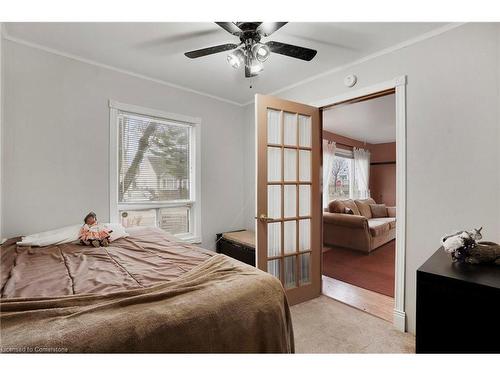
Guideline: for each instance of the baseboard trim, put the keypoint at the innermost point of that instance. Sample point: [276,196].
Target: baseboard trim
[400,320]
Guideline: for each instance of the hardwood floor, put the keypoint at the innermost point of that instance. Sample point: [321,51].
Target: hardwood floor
[363,299]
[374,271]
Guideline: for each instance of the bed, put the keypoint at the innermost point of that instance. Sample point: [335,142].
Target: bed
[145,293]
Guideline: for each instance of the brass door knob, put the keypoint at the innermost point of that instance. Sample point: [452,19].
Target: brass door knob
[264,218]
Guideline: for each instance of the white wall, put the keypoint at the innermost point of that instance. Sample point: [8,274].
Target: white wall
[56,139]
[249,151]
[1,126]
[453,138]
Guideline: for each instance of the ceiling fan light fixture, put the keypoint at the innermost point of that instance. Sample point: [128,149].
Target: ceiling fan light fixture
[256,67]
[250,53]
[236,58]
[261,52]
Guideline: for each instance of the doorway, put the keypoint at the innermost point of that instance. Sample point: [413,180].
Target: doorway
[359,202]
[399,85]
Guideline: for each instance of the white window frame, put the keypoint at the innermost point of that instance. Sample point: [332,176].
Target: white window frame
[194,236]
[348,154]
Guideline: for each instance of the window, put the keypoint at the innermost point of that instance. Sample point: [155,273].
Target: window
[155,179]
[342,179]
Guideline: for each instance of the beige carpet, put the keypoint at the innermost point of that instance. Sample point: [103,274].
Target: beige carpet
[324,325]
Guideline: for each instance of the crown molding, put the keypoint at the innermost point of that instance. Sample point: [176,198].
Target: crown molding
[24,42]
[385,51]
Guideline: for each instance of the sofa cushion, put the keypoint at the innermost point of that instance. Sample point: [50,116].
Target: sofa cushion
[378,210]
[391,212]
[389,220]
[336,207]
[349,203]
[364,207]
[378,227]
[339,205]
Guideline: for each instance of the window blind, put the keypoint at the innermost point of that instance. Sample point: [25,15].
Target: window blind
[154,159]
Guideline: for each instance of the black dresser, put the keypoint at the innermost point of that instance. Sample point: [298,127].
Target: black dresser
[244,252]
[458,307]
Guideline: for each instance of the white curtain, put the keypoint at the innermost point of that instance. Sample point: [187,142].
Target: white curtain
[329,148]
[361,172]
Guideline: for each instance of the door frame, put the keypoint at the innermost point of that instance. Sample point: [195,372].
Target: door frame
[399,85]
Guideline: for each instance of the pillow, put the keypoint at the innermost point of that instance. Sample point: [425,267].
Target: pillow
[339,206]
[52,237]
[348,211]
[67,235]
[349,203]
[378,210]
[364,207]
[118,231]
[336,206]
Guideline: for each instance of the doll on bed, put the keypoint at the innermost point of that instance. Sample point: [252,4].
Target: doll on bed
[93,234]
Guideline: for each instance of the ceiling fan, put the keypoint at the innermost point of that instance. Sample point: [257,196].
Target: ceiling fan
[250,51]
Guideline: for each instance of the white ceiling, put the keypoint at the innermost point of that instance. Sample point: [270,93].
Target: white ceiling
[371,121]
[157,50]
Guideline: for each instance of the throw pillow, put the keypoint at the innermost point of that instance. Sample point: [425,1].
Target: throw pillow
[378,210]
[363,206]
[350,204]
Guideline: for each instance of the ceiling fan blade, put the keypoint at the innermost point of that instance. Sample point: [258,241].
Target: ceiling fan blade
[290,50]
[210,50]
[162,41]
[267,28]
[230,27]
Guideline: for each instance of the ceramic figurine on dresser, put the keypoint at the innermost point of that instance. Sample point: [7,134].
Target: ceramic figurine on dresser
[466,247]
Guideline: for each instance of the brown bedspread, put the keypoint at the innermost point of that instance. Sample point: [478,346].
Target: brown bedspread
[145,293]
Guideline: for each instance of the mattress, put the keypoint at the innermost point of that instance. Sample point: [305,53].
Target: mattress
[144,293]
[243,237]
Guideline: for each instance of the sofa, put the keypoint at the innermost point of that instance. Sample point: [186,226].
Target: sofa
[358,224]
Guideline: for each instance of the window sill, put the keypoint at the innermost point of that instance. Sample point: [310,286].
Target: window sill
[189,239]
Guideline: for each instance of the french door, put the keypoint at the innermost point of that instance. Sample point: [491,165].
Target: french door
[289,195]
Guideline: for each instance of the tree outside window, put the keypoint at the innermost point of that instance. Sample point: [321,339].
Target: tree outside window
[341,182]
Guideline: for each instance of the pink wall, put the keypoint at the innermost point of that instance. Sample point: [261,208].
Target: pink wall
[383,152]
[382,176]
[383,183]
[343,142]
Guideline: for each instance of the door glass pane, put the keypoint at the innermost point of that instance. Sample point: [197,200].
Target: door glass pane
[273,164]
[273,267]
[274,201]
[304,131]
[304,235]
[305,268]
[290,129]
[305,165]
[273,239]
[304,200]
[273,127]
[290,199]
[290,272]
[290,165]
[290,236]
